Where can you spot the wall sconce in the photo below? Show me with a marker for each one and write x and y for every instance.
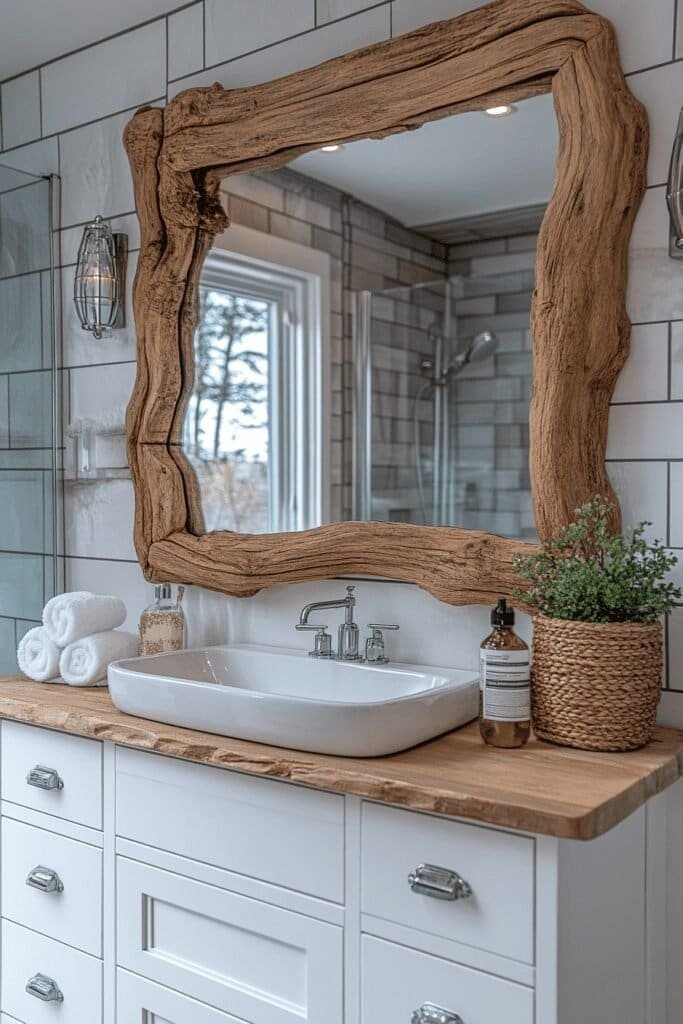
(674, 194)
(100, 281)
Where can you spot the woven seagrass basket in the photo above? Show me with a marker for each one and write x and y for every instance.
(596, 685)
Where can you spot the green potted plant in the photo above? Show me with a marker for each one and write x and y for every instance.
(597, 598)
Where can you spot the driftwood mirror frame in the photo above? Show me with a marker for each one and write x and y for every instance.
(500, 53)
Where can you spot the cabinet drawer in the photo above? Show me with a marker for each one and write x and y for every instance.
(499, 867)
(79, 977)
(73, 915)
(258, 962)
(269, 830)
(77, 762)
(138, 999)
(397, 981)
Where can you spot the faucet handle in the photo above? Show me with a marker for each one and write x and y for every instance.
(374, 645)
(323, 640)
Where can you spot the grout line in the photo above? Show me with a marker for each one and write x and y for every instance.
(668, 504)
(285, 39)
(667, 666)
(203, 34)
(669, 343)
(101, 558)
(675, 35)
(652, 67)
(96, 42)
(166, 55)
(17, 188)
(40, 99)
(91, 366)
(83, 124)
(652, 401)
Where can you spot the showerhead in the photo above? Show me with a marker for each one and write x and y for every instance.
(483, 346)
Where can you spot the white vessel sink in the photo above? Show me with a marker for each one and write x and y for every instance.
(282, 696)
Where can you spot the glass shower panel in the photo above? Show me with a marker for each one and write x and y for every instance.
(28, 563)
(446, 368)
(404, 340)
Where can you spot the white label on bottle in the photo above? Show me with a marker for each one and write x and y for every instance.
(504, 680)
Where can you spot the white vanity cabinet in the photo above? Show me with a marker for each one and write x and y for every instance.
(167, 892)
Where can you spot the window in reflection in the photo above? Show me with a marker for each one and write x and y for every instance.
(254, 422)
(226, 427)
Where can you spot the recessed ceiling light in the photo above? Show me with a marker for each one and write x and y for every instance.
(333, 148)
(501, 111)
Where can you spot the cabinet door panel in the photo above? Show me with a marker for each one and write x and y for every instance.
(256, 961)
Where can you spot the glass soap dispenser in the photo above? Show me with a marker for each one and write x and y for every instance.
(505, 697)
(162, 625)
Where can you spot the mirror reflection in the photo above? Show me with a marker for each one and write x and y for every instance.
(363, 347)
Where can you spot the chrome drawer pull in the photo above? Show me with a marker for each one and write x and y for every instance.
(44, 778)
(44, 988)
(439, 883)
(431, 1014)
(45, 880)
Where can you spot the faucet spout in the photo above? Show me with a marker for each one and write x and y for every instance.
(347, 643)
(348, 602)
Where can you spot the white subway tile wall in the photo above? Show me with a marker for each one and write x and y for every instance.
(86, 99)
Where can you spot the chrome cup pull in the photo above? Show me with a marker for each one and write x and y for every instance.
(44, 880)
(44, 988)
(44, 778)
(429, 1013)
(439, 883)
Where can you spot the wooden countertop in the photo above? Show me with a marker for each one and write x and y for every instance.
(542, 788)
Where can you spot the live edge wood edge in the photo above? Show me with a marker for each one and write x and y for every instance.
(555, 791)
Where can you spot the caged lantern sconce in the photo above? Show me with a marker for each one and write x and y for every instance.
(674, 194)
(100, 281)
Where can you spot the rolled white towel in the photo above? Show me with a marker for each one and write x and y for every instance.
(70, 617)
(85, 661)
(38, 656)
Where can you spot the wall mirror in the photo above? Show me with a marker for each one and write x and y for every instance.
(363, 344)
(379, 326)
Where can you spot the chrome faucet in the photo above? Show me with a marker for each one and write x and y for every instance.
(347, 636)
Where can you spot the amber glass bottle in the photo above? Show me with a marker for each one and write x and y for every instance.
(504, 702)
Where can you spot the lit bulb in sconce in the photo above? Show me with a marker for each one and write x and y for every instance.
(99, 282)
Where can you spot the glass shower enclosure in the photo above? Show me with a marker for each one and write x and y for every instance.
(28, 449)
(441, 412)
